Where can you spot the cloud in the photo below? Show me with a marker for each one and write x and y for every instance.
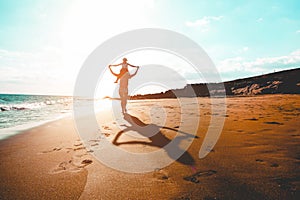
(204, 22)
(260, 65)
(230, 64)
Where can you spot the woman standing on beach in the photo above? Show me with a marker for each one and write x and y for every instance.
(124, 78)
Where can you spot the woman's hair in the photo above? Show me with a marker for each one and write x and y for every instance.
(124, 59)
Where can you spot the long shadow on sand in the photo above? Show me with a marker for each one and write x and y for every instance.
(157, 139)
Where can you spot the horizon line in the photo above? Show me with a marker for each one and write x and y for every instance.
(70, 95)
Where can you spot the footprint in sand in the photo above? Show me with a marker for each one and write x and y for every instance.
(276, 123)
(78, 148)
(160, 174)
(170, 107)
(106, 128)
(94, 144)
(252, 119)
(95, 140)
(78, 144)
(183, 198)
(274, 165)
(71, 166)
(86, 162)
(195, 177)
(106, 134)
(52, 150)
(63, 166)
(259, 160)
(295, 135)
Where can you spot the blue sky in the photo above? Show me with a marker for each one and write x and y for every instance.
(44, 43)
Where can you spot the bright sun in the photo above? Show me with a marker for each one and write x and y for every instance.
(88, 23)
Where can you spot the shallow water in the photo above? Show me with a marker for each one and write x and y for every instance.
(17, 110)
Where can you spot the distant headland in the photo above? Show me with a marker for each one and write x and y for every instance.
(283, 82)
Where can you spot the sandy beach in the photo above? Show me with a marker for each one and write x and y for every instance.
(256, 157)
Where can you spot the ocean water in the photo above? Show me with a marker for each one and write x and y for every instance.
(18, 112)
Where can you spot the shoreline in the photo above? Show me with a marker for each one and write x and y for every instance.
(20, 129)
(256, 157)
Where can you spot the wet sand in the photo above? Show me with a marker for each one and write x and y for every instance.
(256, 157)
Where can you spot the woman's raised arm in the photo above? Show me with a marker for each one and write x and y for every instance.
(137, 68)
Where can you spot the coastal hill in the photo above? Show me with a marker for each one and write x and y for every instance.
(283, 82)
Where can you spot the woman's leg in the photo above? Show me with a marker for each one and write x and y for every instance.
(123, 104)
(123, 95)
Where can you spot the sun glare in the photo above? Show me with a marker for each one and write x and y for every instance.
(88, 24)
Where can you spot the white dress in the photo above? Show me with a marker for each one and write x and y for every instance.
(124, 66)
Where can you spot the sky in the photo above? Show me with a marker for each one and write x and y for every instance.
(43, 44)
